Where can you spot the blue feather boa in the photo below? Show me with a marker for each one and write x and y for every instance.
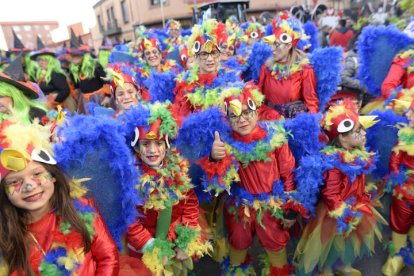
(161, 86)
(257, 58)
(311, 30)
(196, 135)
(377, 47)
(327, 66)
(382, 137)
(91, 141)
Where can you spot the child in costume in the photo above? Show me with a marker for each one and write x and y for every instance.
(260, 201)
(346, 222)
(401, 183)
(287, 79)
(50, 229)
(198, 88)
(168, 235)
(18, 97)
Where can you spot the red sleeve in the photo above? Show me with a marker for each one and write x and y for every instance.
(190, 210)
(332, 190)
(332, 39)
(138, 235)
(104, 250)
(182, 105)
(266, 113)
(286, 163)
(262, 77)
(394, 77)
(309, 94)
(395, 161)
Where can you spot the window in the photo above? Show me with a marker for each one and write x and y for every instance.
(47, 27)
(99, 18)
(157, 2)
(27, 28)
(124, 8)
(16, 29)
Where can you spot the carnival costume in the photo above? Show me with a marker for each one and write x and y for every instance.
(346, 222)
(400, 183)
(55, 247)
(170, 207)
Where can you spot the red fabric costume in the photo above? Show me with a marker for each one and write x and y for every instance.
(402, 205)
(340, 38)
(256, 178)
(301, 85)
(398, 75)
(101, 260)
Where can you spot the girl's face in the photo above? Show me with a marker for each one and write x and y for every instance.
(208, 62)
(410, 117)
(31, 189)
(152, 152)
(355, 139)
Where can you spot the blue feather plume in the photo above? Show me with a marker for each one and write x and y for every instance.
(304, 138)
(382, 137)
(93, 148)
(327, 66)
(136, 116)
(258, 56)
(311, 30)
(377, 47)
(196, 135)
(161, 86)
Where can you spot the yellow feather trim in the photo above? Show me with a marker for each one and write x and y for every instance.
(76, 188)
(338, 212)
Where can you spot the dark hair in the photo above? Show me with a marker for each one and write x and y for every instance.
(342, 22)
(14, 244)
(335, 142)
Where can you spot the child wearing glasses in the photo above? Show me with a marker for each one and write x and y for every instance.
(49, 230)
(260, 202)
(199, 88)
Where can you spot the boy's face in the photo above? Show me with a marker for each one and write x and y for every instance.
(127, 96)
(410, 117)
(152, 152)
(245, 123)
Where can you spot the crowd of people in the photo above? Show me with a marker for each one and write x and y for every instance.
(148, 156)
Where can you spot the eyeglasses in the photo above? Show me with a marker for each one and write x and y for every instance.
(247, 115)
(204, 55)
(226, 47)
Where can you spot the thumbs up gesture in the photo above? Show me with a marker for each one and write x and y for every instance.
(218, 151)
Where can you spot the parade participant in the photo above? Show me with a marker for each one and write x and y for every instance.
(174, 31)
(105, 51)
(400, 73)
(50, 230)
(260, 202)
(127, 93)
(168, 236)
(400, 182)
(29, 66)
(51, 78)
(18, 96)
(346, 222)
(199, 88)
(287, 79)
(87, 75)
(227, 47)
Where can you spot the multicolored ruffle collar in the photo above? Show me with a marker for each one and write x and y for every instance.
(405, 140)
(284, 70)
(165, 186)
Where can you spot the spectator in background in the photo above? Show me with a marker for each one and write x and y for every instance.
(341, 35)
(323, 36)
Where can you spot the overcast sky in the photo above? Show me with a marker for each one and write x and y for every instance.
(66, 12)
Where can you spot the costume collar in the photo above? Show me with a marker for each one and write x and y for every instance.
(257, 134)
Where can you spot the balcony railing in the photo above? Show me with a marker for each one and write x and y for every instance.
(112, 28)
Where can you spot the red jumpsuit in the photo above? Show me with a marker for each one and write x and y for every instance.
(397, 75)
(258, 177)
(102, 259)
(402, 204)
(185, 212)
(301, 85)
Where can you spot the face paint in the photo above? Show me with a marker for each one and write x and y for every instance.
(152, 152)
(15, 185)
